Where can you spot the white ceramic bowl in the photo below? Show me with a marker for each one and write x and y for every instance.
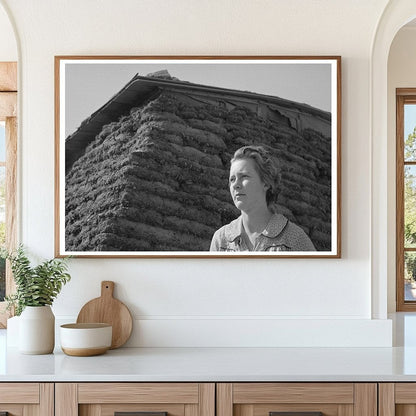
(85, 339)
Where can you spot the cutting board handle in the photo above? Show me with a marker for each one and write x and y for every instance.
(107, 289)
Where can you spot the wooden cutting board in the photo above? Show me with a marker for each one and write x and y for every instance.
(109, 310)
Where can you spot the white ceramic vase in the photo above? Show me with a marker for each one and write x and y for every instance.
(37, 330)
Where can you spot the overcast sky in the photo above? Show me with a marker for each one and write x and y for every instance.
(88, 85)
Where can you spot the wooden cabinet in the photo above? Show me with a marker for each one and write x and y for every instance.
(27, 399)
(208, 399)
(331, 399)
(105, 399)
(221, 399)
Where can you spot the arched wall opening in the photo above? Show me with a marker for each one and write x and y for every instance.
(401, 74)
(396, 15)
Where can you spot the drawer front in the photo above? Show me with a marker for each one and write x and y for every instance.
(19, 393)
(294, 392)
(297, 399)
(142, 399)
(138, 393)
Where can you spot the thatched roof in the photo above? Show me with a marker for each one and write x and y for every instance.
(141, 88)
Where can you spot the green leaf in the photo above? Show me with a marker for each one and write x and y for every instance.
(35, 286)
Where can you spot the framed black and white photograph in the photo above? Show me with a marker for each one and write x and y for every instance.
(198, 156)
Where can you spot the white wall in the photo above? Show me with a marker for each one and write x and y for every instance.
(212, 301)
(8, 46)
(401, 74)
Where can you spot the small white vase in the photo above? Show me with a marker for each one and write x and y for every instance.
(37, 330)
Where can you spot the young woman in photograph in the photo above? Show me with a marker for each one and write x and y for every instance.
(253, 184)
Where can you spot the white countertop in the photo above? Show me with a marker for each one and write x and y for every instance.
(221, 364)
(215, 364)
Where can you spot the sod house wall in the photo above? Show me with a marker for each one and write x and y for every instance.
(156, 178)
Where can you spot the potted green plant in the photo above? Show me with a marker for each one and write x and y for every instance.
(36, 289)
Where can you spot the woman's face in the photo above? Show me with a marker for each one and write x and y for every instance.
(247, 189)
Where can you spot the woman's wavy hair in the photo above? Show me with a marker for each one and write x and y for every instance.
(266, 167)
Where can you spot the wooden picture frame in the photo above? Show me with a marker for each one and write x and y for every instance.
(143, 147)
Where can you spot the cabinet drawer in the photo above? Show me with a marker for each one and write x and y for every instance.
(268, 399)
(138, 393)
(107, 399)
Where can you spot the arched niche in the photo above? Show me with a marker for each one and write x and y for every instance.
(397, 14)
(9, 53)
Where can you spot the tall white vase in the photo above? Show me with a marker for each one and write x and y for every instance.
(37, 330)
